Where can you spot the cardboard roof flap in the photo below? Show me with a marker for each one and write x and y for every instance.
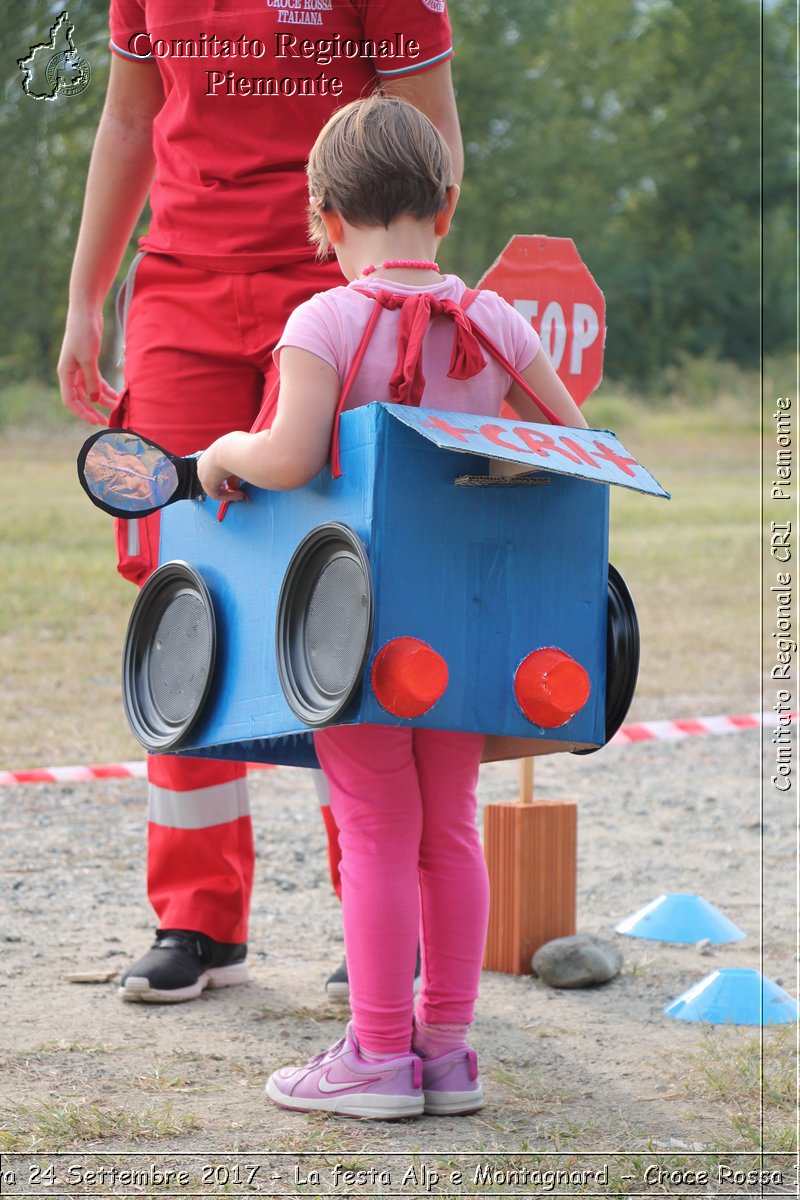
(592, 454)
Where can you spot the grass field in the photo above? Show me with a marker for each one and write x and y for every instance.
(692, 564)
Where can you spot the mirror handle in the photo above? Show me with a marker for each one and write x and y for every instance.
(189, 486)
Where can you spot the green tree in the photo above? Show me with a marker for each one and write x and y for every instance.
(45, 145)
(540, 91)
(780, 173)
(691, 223)
(634, 128)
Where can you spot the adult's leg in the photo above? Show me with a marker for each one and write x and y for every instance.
(198, 363)
(323, 791)
(200, 846)
(185, 386)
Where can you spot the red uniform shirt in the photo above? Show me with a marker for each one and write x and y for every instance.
(248, 85)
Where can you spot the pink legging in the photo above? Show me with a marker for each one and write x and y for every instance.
(412, 868)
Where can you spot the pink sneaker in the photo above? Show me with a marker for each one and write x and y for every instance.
(451, 1084)
(340, 1081)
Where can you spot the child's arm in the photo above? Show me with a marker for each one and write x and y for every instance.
(543, 380)
(295, 448)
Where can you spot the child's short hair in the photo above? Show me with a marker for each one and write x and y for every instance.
(374, 160)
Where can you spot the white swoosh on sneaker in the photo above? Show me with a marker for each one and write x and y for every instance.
(324, 1084)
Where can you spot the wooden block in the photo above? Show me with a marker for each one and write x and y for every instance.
(531, 853)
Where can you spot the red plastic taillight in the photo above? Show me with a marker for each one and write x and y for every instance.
(408, 677)
(550, 687)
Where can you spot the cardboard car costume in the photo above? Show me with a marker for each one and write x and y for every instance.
(422, 587)
(446, 571)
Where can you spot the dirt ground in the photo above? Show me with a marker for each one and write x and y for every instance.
(596, 1082)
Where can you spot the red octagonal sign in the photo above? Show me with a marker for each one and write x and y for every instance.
(548, 283)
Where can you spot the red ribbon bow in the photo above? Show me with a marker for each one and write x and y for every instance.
(407, 383)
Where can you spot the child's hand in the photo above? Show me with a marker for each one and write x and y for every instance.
(216, 479)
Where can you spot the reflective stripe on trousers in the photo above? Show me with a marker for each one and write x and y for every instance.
(200, 846)
(199, 808)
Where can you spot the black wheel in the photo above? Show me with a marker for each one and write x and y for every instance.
(622, 655)
(168, 661)
(323, 624)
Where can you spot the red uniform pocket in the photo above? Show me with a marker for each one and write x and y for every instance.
(137, 547)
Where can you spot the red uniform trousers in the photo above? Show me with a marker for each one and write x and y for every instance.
(198, 363)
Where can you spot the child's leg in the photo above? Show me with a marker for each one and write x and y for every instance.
(454, 885)
(375, 799)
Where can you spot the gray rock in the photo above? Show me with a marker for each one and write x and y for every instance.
(577, 961)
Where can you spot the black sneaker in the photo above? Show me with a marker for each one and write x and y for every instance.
(337, 985)
(180, 964)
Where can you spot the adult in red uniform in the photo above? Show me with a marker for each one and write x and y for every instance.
(212, 108)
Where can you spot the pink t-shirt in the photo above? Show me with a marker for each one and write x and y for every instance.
(331, 323)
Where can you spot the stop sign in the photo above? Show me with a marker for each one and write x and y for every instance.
(547, 282)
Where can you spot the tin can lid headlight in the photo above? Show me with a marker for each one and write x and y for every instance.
(550, 687)
(408, 677)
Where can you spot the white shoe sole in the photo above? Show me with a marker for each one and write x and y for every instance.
(340, 992)
(453, 1104)
(364, 1105)
(137, 987)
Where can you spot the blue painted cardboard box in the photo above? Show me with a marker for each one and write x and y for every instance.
(481, 568)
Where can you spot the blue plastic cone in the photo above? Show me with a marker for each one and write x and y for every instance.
(680, 917)
(735, 996)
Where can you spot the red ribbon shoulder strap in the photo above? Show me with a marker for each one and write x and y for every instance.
(407, 383)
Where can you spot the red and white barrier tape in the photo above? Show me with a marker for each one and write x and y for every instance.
(123, 770)
(645, 731)
(674, 731)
